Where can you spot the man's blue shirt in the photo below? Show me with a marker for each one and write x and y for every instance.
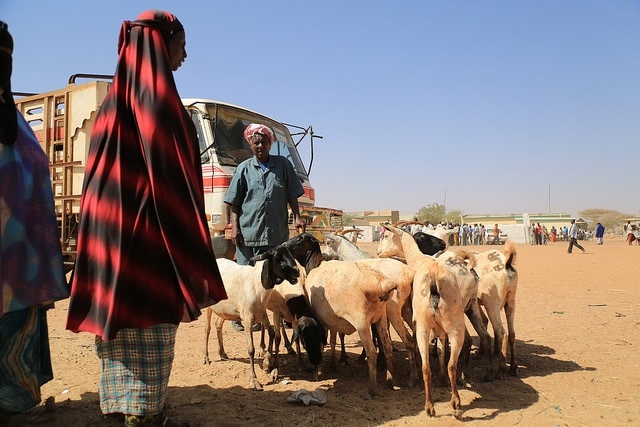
(263, 196)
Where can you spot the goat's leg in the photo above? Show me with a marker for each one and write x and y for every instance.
(367, 342)
(221, 352)
(499, 362)
(442, 344)
(343, 352)
(207, 331)
(262, 350)
(463, 360)
(456, 341)
(268, 359)
(363, 354)
(382, 328)
(298, 351)
(332, 353)
(398, 324)
(274, 336)
(253, 379)
(423, 340)
(287, 344)
(485, 319)
(510, 311)
(477, 319)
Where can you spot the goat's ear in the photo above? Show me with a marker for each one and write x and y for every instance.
(260, 257)
(265, 275)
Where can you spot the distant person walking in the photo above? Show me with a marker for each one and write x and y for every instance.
(599, 234)
(573, 237)
(630, 236)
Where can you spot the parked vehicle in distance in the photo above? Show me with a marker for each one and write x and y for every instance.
(490, 239)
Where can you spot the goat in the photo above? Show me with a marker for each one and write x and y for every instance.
(462, 264)
(248, 288)
(348, 297)
(288, 303)
(437, 307)
(344, 249)
(497, 286)
(398, 307)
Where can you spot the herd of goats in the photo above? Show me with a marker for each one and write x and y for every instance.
(413, 283)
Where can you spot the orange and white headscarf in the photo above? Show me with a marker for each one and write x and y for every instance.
(255, 128)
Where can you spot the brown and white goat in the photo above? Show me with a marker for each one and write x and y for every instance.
(497, 286)
(437, 305)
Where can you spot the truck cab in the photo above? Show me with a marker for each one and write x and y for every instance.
(220, 128)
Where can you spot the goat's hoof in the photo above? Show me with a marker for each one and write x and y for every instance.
(513, 371)
(266, 362)
(291, 351)
(431, 412)
(255, 384)
(273, 376)
(457, 413)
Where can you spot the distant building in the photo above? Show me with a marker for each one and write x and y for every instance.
(374, 217)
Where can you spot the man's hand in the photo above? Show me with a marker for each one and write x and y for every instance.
(301, 224)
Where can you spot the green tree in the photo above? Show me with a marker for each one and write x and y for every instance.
(453, 216)
(433, 213)
(610, 219)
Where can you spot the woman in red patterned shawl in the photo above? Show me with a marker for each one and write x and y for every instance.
(145, 260)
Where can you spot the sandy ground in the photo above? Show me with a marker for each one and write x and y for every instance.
(578, 333)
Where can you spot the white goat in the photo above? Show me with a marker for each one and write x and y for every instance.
(344, 249)
(497, 286)
(437, 306)
(248, 288)
(349, 297)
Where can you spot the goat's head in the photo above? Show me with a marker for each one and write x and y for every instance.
(313, 337)
(391, 243)
(279, 265)
(428, 244)
(306, 250)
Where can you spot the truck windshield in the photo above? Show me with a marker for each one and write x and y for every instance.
(231, 147)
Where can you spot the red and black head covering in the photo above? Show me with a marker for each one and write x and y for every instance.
(8, 115)
(144, 250)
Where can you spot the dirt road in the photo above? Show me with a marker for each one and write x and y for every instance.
(578, 338)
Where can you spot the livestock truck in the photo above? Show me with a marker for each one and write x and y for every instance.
(62, 121)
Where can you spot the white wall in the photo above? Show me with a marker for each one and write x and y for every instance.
(369, 233)
(518, 233)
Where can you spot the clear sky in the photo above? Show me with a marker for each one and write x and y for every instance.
(485, 106)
